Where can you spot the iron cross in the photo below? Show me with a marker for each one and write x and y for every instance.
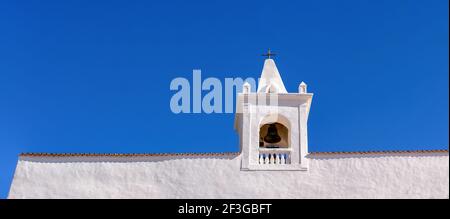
(269, 54)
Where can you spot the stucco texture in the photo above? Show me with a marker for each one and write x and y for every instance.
(335, 176)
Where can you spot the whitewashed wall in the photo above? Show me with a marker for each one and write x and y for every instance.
(331, 176)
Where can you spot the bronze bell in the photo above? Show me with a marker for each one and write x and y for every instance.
(272, 135)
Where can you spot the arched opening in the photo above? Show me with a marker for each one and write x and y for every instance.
(274, 140)
(273, 135)
(271, 89)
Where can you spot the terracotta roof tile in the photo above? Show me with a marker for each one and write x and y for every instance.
(125, 155)
(382, 152)
(218, 154)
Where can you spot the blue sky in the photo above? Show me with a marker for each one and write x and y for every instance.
(85, 76)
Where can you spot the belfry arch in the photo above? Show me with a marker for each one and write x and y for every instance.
(274, 132)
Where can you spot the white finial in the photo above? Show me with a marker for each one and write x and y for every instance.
(246, 88)
(302, 88)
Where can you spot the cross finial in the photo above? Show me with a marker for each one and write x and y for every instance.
(269, 54)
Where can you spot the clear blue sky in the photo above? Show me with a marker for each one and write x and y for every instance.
(85, 76)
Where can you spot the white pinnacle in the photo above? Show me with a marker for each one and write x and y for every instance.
(270, 81)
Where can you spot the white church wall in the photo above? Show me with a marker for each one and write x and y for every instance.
(409, 175)
(420, 174)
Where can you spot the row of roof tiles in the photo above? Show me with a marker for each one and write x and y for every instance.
(217, 154)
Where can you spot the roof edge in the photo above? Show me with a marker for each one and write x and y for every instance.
(124, 154)
(219, 153)
(382, 152)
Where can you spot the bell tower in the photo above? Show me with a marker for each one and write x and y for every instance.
(272, 123)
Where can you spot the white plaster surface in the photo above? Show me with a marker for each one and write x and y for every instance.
(329, 176)
(270, 79)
